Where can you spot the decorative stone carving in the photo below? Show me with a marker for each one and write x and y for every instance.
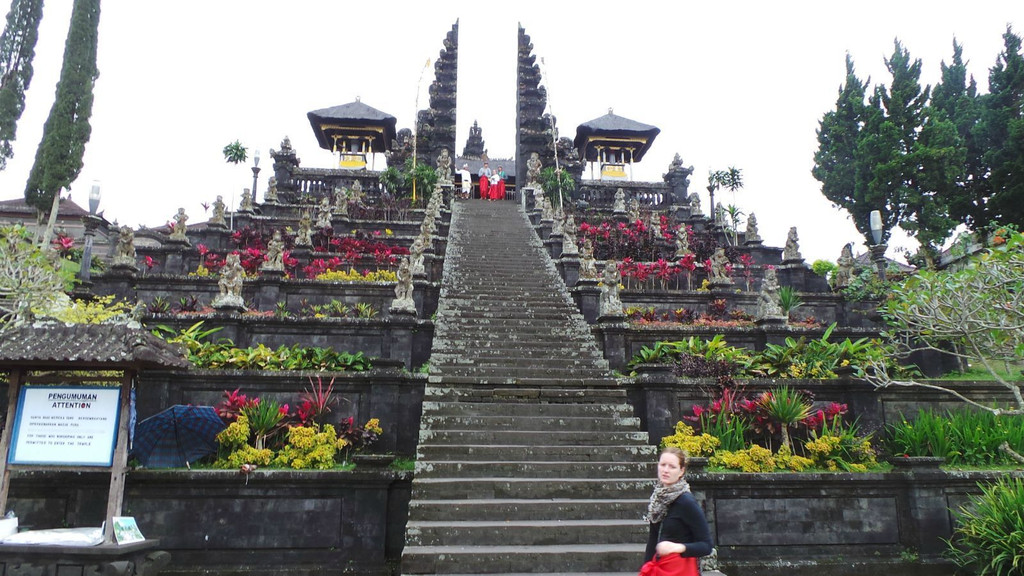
(444, 167)
(751, 236)
(718, 273)
(124, 256)
(270, 196)
(533, 167)
(678, 180)
(569, 247)
(219, 208)
(791, 252)
(416, 256)
(633, 209)
(588, 266)
(556, 226)
(654, 223)
(538, 198)
(611, 304)
(246, 205)
(230, 285)
(619, 204)
(275, 254)
(178, 233)
(403, 302)
(546, 212)
(695, 209)
(844, 272)
(340, 200)
(768, 308)
(682, 242)
(719, 213)
(304, 235)
(324, 213)
(356, 193)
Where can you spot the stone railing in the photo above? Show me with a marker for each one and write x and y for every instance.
(601, 194)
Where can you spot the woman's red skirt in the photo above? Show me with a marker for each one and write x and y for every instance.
(671, 565)
(484, 184)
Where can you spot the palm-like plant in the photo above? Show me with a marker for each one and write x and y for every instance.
(789, 300)
(235, 153)
(788, 407)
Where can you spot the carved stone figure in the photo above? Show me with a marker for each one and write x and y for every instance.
(217, 219)
(791, 251)
(275, 253)
(270, 196)
(304, 236)
(533, 167)
(588, 266)
(718, 272)
(340, 200)
(416, 255)
(633, 209)
(546, 212)
(403, 302)
(230, 284)
(444, 167)
(619, 204)
(569, 247)
(246, 205)
(844, 272)
(124, 256)
(752, 236)
(768, 299)
(178, 234)
(324, 213)
(654, 223)
(682, 242)
(719, 213)
(538, 198)
(556, 226)
(611, 304)
(356, 193)
(695, 209)
(678, 180)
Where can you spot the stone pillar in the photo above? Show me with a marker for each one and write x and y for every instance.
(569, 268)
(658, 399)
(545, 229)
(400, 328)
(611, 332)
(926, 512)
(553, 244)
(268, 291)
(587, 296)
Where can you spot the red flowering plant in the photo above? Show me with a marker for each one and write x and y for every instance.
(248, 237)
(747, 261)
(362, 246)
(63, 244)
(616, 241)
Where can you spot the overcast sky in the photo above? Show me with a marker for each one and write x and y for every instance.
(739, 84)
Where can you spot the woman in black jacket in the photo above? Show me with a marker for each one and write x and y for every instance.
(679, 532)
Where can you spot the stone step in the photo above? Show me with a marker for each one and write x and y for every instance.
(601, 394)
(587, 453)
(585, 558)
(558, 350)
(536, 470)
(525, 532)
(535, 409)
(517, 374)
(512, 361)
(522, 382)
(537, 488)
(539, 438)
(530, 423)
(528, 509)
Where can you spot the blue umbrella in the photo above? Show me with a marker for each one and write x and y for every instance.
(177, 436)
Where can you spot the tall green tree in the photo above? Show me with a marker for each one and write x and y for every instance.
(17, 49)
(67, 130)
(1001, 130)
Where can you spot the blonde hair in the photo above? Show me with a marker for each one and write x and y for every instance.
(678, 453)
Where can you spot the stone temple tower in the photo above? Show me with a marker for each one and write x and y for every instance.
(436, 125)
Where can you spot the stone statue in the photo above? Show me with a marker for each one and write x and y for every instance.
(444, 167)
(270, 196)
(791, 251)
(768, 299)
(324, 213)
(569, 247)
(751, 236)
(538, 198)
(718, 273)
(546, 211)
(588, 266)
(619, 205)
(178, 234)
(304, 236)
(403, 302)
(217, 219)
(611, 304)
(844, 272)
(230, 284)
(719, 213)
(416, 256)
(275, 253)
(633, 209)
(533, 167)
(356, 194)
(682, 242)
(695, 209)
(556, 226)
(246, 204)
(678, 180)
(124, 256)
(654, 223)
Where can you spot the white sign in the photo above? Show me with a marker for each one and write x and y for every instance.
(65, 426)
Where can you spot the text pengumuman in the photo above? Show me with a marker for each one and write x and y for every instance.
(71, 399)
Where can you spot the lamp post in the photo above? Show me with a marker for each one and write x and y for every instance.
(91, 222)
(878, 248)
(255, 172)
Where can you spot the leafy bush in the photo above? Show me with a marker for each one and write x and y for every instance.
(684, 437)
(989, 537)
(309, 447)
(963, 437)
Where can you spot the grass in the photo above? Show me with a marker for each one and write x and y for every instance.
(978, 372)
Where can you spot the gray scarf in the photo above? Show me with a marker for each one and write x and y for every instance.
(662, 497)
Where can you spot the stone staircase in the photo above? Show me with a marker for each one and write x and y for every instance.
(529, 458)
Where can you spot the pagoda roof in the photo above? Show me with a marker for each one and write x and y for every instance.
(616, 130)
(97, 346)
(353, 119)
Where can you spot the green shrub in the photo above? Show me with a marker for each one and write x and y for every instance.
(963, 437)
(989, 537)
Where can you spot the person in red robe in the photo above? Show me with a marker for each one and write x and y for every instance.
(485, 184)
(498, 185)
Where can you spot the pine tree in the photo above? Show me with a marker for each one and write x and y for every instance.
(1002, 132)
(17, 49)
(59, 156)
